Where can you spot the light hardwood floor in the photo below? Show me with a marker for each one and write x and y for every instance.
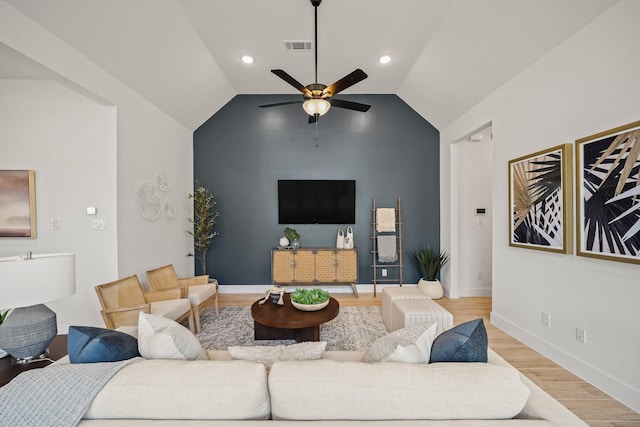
(590, 404)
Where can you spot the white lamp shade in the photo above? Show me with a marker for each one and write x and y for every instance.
(316, 106)
(38, 280)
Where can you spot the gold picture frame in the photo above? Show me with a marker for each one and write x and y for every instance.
(18, 207)
(608, 194)
(540, 200)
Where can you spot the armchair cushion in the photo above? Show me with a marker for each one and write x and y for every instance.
(171, 309)
(161, 338)
(86, 344)
(200, 293)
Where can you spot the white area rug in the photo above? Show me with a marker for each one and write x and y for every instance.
(355, 328)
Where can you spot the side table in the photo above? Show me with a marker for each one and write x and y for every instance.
(57, 350)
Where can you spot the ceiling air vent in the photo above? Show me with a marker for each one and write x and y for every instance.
(298, 45)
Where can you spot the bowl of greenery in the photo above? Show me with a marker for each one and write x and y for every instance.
(310, 299)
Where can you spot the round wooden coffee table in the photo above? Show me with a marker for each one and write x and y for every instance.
(283, 322)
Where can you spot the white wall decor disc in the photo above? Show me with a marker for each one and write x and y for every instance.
(170, 210)
(162, 181)
(148, 201)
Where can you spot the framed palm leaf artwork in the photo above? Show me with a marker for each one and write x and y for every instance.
(608, 194)
(540, 200)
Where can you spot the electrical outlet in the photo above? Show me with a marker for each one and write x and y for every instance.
(581, 335)
(546, 319)
(384, 272)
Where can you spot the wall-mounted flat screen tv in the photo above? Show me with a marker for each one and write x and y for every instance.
(316, 201)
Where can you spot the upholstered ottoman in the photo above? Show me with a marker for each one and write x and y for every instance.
(411, 311)
(389, 295)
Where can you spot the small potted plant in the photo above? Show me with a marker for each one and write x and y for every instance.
(430, 264)
(293, 236)
(310, 299)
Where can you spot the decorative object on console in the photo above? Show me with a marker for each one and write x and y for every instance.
(540, 207)
(340, 240)
(607, 203)
(203, 221)
(293, 236)
(28, 283)
(18, 209)
(284, 242)
(430, 265)
(348, 238)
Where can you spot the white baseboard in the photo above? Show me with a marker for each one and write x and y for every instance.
(612, 386)
(338, 289)
(475, 292)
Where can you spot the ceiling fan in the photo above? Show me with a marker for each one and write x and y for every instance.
(318, 98)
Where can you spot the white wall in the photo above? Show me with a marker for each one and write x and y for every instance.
(70, 142)
(147, 142)
(588, 84)
(473, 191)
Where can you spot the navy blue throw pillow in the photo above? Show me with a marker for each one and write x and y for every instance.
(466, 342)
(87, 344)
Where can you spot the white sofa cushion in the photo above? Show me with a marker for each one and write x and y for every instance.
(181, 389)
(388, 391)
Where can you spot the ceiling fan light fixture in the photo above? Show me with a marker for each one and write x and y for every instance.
(247, 59)
(385, 59)
(315, 106)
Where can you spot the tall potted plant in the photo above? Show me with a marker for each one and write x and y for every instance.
(430, 264)
(203, 221)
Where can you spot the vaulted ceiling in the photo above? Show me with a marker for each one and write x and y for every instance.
(447, 55)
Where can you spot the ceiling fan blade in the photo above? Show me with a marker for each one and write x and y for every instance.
(345, 82)
(293, 82)
(279, 103)
(349, 105)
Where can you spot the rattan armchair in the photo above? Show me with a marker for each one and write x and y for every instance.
(200, 291)
(123, 300)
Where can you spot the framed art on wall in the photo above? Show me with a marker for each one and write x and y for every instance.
(18, 203)
(608, 194)
(540, 200)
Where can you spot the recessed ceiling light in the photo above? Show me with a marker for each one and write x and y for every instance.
(385, 59)
(247, 59)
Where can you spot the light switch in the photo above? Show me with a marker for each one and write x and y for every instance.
(99, 224)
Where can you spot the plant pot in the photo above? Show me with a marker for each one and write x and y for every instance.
(431, 288)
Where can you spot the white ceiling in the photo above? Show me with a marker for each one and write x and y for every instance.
(447, 55)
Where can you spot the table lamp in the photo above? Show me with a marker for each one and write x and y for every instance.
(26, 283)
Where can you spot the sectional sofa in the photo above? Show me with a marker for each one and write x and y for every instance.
(337, 390)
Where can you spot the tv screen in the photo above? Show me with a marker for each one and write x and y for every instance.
(316, 201)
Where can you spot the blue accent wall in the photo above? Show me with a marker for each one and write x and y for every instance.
(242, 151)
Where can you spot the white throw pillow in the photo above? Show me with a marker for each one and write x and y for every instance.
(418, 352)
(381, 348)
(271, 354)
(162, 338)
